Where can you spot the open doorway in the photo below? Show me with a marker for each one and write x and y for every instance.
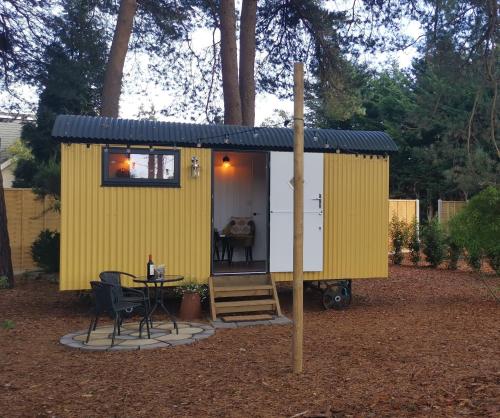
(240, 212)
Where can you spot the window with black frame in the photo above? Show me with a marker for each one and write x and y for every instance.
(140, 167)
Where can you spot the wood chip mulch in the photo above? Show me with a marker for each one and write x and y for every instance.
(424, 343)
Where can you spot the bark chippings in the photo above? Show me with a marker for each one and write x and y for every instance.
(423, 343)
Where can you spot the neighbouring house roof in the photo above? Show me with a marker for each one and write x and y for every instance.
(104, 130)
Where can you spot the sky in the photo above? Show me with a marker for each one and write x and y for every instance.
(133, 98)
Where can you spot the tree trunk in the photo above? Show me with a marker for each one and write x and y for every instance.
(229, 62)
(247, 61)
(114, 68)
(5, 255)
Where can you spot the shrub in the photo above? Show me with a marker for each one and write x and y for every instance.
(399, 233)
(414, 242)
(45, 251)
(192, 287)
(8, 324)
(454, 251)
(433, 243)
(4, 282)
(476, 228)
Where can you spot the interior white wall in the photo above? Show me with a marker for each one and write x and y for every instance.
(241, 190)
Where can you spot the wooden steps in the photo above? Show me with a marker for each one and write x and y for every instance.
(240, 294)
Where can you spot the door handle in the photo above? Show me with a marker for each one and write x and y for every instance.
(319, 199)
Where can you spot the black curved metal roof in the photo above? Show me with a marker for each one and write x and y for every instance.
(104, 130)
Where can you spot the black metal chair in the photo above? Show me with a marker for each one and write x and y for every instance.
(108, 300)
(127, 294)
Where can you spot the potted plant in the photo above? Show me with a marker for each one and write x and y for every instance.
(193, 294)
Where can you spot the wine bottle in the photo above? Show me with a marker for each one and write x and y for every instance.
(150, 269)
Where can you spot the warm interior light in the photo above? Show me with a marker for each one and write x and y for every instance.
(226, 162)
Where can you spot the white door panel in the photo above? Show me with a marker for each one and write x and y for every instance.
(281, 208)
(281, 245)
(313, 241)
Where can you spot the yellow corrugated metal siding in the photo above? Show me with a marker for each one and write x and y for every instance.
(108, 228)
(356, 190)
(115, 228)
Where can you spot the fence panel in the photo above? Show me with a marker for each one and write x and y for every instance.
(26, 217)
(404, 209)
(449, 208)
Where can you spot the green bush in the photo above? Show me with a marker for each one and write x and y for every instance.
(476, 228)
(8, 324)
(45, 251)
(414, 242)
(192, 287)
(454, 252)
(434, 243)
(4, 282)
(399, 232)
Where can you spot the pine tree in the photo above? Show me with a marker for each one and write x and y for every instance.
(71, 78)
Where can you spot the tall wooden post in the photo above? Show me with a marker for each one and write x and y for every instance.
(298, 216)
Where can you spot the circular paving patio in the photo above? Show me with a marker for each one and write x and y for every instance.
(162, 335)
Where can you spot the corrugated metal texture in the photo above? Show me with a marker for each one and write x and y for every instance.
(356, 192)
(115, 228)
(449, 208)
(27, 216)
(90, 129)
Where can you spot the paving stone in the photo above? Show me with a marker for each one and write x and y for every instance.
(224, 325)
(130, 325)
(125, 337)
(74, 334)
(173, 337)
(281, 320)
(94, 348)
(190, 330)
(182, 342)
(170, 325)
(201, 336)
(241, 324)
(206, 327)
(151, 346)
(153, 334)
(162, 335)
(123, 348)
(66, 340)
(93, 336)
(74, 345)
(138, 342)
(100, 342)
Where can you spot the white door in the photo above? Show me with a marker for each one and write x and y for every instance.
(281, 212)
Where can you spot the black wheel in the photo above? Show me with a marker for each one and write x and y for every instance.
(336, 297)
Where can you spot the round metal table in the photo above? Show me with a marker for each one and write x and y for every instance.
(158, 284)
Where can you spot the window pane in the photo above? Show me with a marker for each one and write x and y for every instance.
(118, 166)
(141, 166)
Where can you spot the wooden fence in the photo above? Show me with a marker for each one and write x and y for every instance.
(26, 217)
(404, 209)
(449, 208)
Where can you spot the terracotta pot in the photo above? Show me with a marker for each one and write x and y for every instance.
(190, 306)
